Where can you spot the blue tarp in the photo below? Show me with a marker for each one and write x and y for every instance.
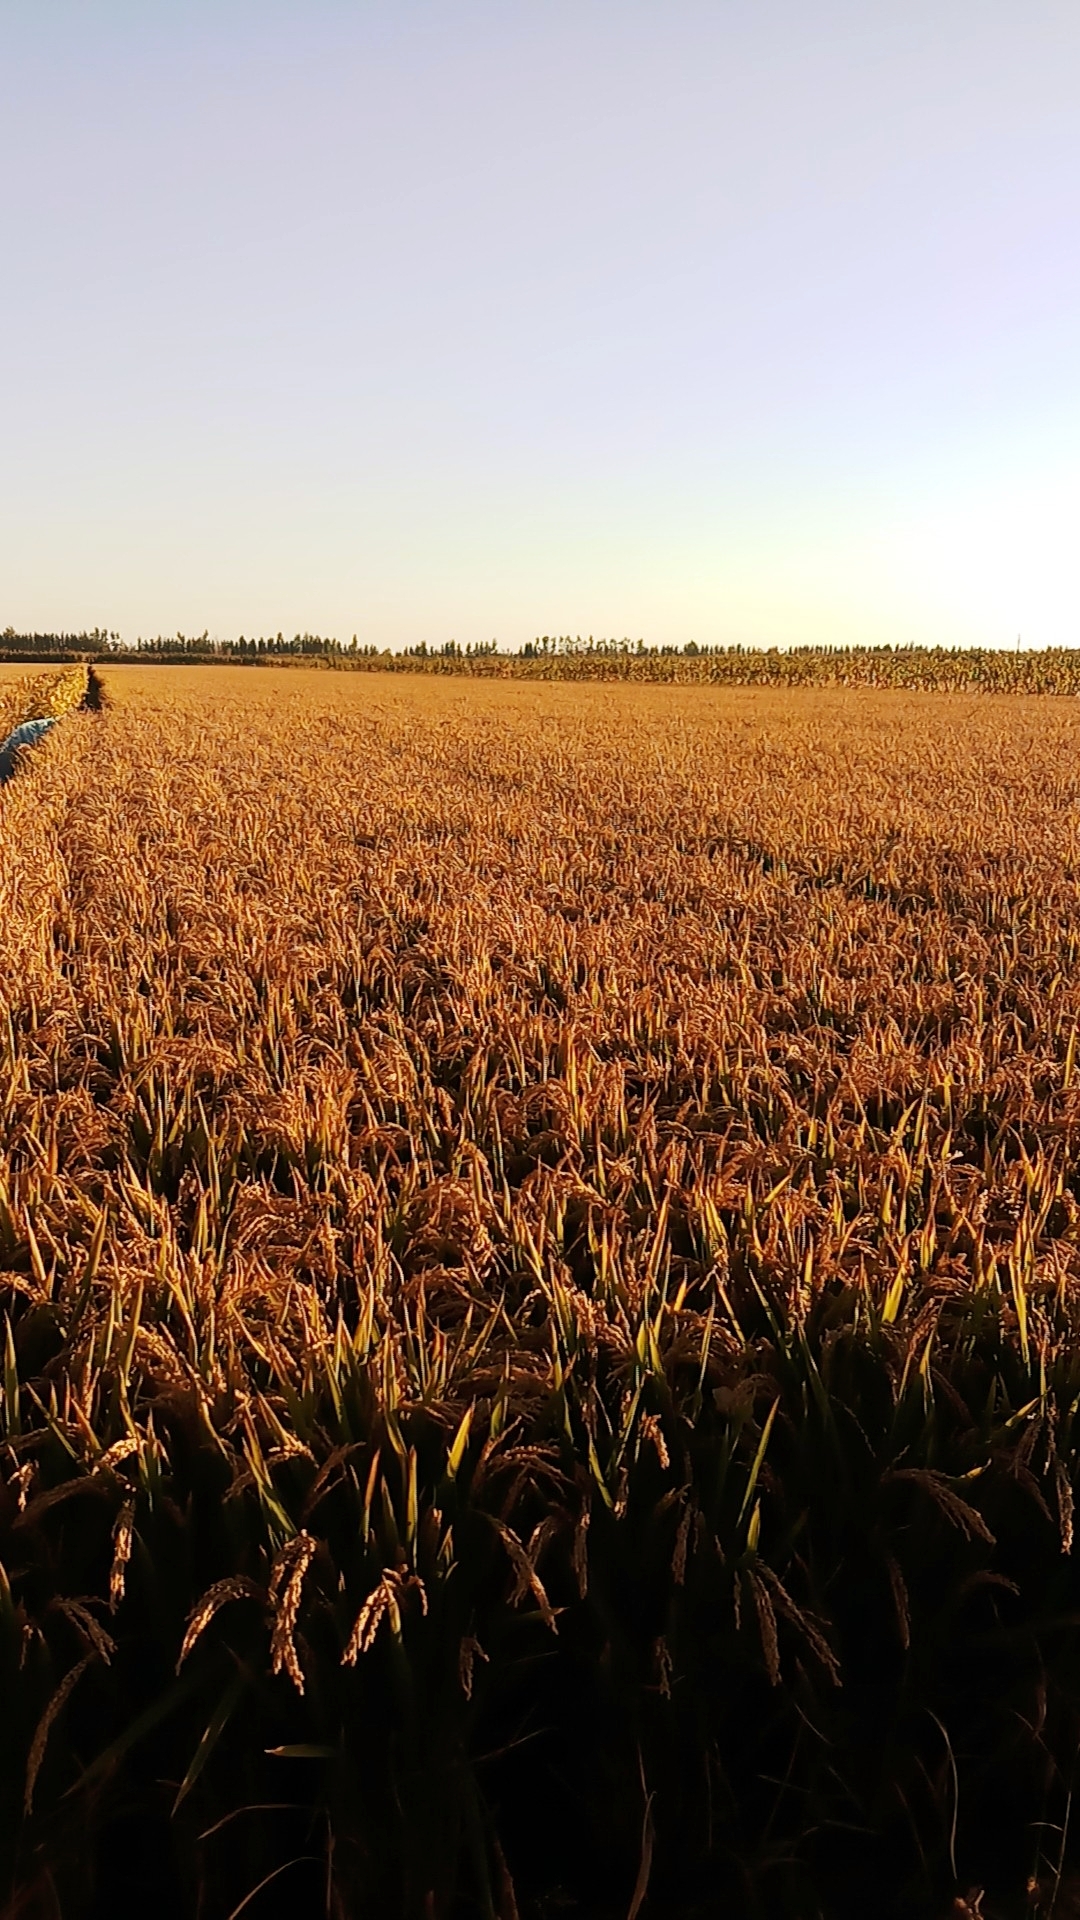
(24, 736)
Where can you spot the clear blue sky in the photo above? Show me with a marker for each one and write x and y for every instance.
(746, 320)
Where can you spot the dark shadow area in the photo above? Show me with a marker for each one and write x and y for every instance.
(96, 697)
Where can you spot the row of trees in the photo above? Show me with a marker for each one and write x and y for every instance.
(100, 640)
(200, 646)
(569, 657)
(52, 646)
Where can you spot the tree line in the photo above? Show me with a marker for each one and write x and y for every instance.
(1053, 670)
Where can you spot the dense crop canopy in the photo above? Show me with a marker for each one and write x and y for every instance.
(539, 1246)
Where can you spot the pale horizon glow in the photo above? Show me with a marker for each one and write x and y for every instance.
(740, 321)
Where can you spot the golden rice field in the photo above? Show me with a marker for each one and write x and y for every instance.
(539, 1243)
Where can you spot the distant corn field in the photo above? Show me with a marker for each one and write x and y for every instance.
(1044, 670)
(539, 1244)
(1048, 670)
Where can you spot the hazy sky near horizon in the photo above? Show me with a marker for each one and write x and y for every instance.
(741, 321)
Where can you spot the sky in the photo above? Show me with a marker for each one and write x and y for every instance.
(747, 321)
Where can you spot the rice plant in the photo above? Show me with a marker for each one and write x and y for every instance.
(43, 696)
(538, 1243)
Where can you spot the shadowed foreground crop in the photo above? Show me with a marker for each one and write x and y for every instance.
(538, 1239)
